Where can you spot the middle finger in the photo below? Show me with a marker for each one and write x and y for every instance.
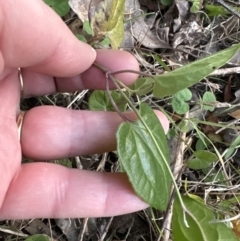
(36, 84)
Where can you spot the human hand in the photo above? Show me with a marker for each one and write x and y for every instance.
(34, 38)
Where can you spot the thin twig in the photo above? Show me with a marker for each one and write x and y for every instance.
(108, 75)
(102, 162)
(20, 234)
(78, 162)
(85, 222)
(226, 71)
(177, 169)
(77, 98)
(102, 238)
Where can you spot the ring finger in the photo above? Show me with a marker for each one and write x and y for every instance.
(50, 132)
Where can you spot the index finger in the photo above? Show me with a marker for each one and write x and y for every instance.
(33, 35)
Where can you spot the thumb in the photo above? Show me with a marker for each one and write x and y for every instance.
(33, 35)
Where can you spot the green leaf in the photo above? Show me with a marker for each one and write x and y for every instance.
(106, 19)
(196, 5)
(213, 10)
(184, 126)
(215, 137)
(142, 86)
(232, 148)
(218, 177)
(161, 62)
(188, 75)
(166, 2)
(81, 38)
(144, 155)
(196, 198)
(171, 133)
(203, 159)
(202, 143)
(38, 237)
(229, 203)
(201, 223)
(87, 28)
(61, 7)
(99, 100)
(65, 162)
(178, 101)
(105, 42)
(208, 97)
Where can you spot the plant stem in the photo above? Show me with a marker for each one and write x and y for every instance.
(104, 69)
(113, 102)
(132, 71)
(109, 75)
(165, 161)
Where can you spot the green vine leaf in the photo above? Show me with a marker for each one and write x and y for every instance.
(144, 155)
(106, 19)
(232, 147)
(38, 237)
(202, 225)
(179, 101)
(99, 101)
(87, 28)
(196, 6)
(64, 162)
(188, 75)
(61, 7)
(213, 10)
(203, 159)
(142, 86)
(166, 2)
(208, 97)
